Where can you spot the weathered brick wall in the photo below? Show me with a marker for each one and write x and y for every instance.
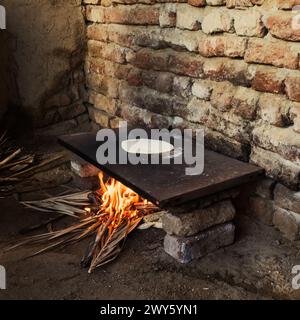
(231, 66)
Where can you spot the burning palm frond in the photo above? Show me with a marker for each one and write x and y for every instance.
(111, 248)
(111, 214)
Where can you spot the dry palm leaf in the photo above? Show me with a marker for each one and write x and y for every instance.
(34, 169)
(75, 232)
(111, 248)
(15, 166)
(25, 160)
(9, 158)
(111, 214)
(72, 204)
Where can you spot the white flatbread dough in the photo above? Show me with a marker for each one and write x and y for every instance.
(146, 146)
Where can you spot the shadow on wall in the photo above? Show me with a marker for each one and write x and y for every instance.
(46, 40)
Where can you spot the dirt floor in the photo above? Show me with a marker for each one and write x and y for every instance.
(257, 266)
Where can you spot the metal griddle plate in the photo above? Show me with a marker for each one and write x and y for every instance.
(168, 184)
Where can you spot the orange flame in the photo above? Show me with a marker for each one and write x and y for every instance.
(117, 202)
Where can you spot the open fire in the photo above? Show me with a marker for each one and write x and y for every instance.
(110, 214)
(119, 211)
(118, 201)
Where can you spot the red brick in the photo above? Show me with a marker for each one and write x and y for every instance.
(168, 60)
(189, 17)
(225, 69)
(186, 39)
(97, 32)
(146, 98)
(186, 64)
(151, 59)
(106, 3)
(116, 70)
(218, 20)
(167, 17)
(91, 1)
(109, 51)
(105, 67)
(276, 53)
(230, 125)
(287, 4)
(222, 96)
(280, 25)
(218, 46)
(95, 14)
(94, 65)
(283, 141)
(268, 79)
(122, 35)
(160, 81)
(101, 84)
(292, 87)
(135, 77)
(102, 102)
(295, 116)
(245, 103)
(249, 23)
(274, 109)
(197, 3)
(238, 3)
(139, 15)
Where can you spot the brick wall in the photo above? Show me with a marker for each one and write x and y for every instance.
(231, 66)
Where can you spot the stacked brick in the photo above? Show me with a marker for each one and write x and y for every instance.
(200, 227)
(230, 66)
